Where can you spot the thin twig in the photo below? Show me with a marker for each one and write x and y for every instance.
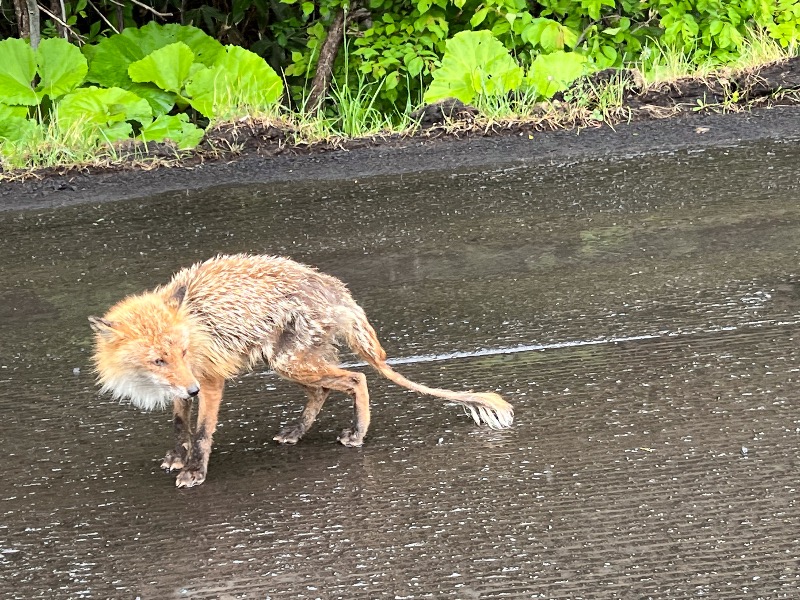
(61, 30)
(102, 16)
(144, 6)
(585, 31)
(77, 35)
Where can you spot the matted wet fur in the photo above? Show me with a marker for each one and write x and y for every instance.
(220, 317)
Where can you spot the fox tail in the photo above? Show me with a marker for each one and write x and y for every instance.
(485, 407)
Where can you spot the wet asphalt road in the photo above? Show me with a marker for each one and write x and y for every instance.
(641, 314)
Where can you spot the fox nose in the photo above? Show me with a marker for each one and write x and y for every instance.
(193, 390)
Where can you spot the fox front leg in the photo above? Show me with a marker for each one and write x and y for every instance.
(195, 468)
(181, 422)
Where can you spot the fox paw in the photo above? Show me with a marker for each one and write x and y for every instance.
(190, 477)
(351, 438)
(290, 434)
(173, 461)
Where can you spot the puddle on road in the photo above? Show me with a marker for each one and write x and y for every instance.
(640, 315)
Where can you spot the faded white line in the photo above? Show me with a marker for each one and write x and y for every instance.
(425, 358)
(522, 348)
(519, 349)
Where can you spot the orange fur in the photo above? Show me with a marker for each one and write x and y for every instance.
(215, 319)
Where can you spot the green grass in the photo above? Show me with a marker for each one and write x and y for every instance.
(603, 101)
(52, 146)
(663, 64)
(351, 112)
(759, 48)
(516, 105)
(354, 109)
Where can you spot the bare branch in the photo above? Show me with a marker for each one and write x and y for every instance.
(23, 22)
(77, 35)
(327, 56)
(144, 6)
(57, 7)
(34, 23)
(582, 37)
(102, 16)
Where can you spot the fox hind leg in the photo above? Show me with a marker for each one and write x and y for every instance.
(355, 384)
(320, 374)
(291, 434)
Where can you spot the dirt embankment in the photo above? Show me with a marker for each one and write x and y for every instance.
(728, 108)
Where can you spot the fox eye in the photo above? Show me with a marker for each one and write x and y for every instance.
(184, 353)
(159, 362)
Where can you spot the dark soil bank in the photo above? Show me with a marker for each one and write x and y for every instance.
(690, 130)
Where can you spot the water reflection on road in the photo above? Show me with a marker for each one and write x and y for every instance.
(640, 314)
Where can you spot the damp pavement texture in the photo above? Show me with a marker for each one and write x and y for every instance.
(640, 312)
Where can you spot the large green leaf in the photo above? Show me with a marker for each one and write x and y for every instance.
(160, 101)
(167, 67)
(110, 59)
(61, 67)
(17, 70)
(239, 82)
(549, 34)
(474, 63)
(15, 127)
(14, 111)
(551, 73)
(103, 111)
(173, 127)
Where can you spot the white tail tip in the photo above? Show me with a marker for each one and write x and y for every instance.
(494, 418)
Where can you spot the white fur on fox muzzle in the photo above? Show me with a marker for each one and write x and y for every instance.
(143, 392)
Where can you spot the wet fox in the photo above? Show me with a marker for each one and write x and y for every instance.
(218, 318)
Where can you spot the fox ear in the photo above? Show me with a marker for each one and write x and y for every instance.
(177, 297)
(102, 326)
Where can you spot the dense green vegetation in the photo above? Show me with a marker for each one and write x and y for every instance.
(107, 71)
(139, 83)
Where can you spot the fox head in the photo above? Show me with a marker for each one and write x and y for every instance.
(142, 350)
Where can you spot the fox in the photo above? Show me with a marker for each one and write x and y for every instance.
(217, 319)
